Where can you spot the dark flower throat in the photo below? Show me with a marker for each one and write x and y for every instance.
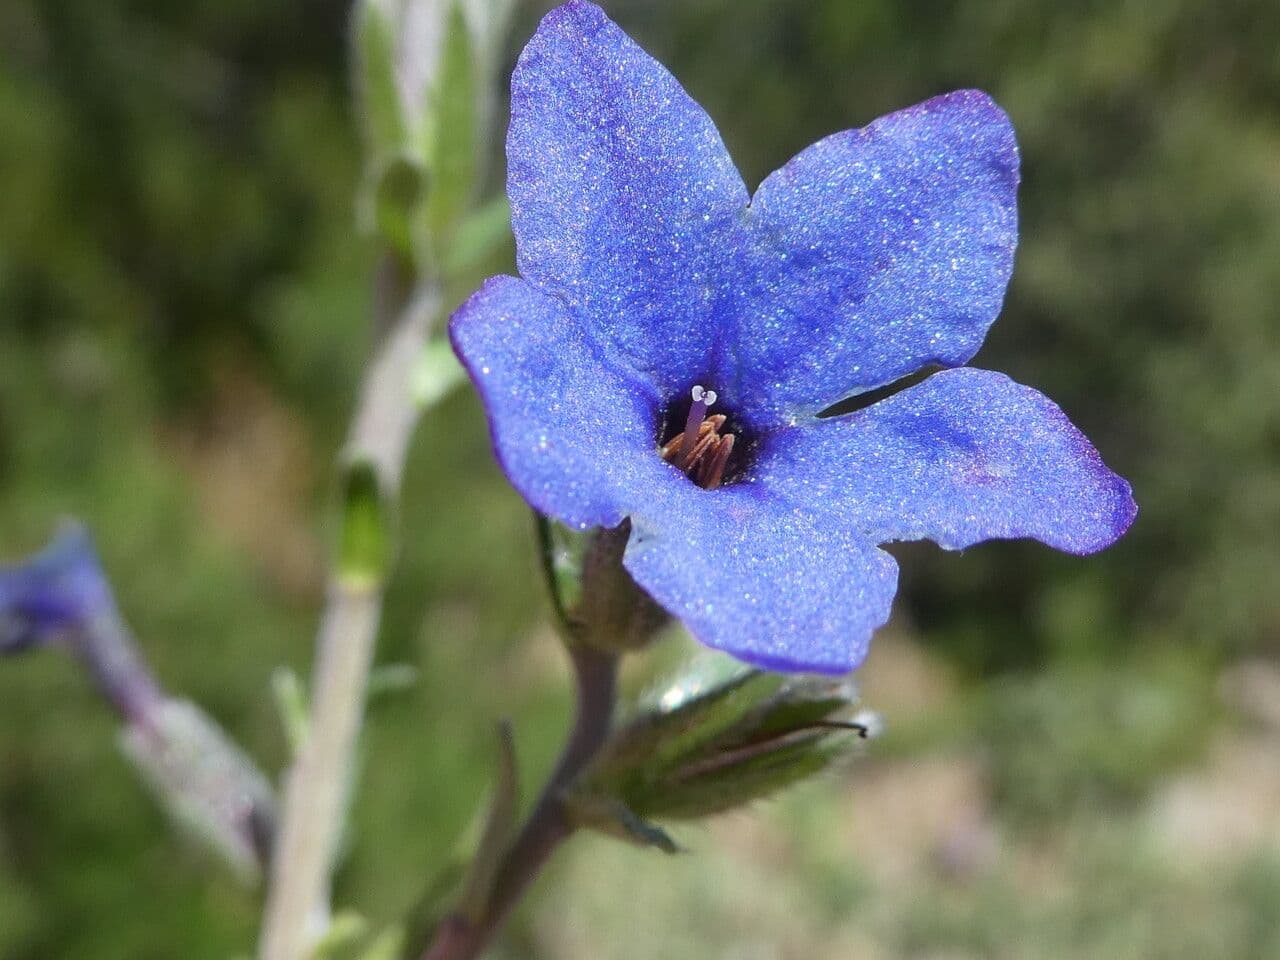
(702, 449)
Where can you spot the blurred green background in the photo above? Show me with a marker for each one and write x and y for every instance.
(1084, 755)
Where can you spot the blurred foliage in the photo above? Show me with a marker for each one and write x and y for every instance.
(1077, 739)
(1113, 897)
(184, 301)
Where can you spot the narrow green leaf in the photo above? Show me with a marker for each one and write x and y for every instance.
(453, 125)
(388, 945)
(344, 930)
(479, 237)
(364, 551)
(391, 678)
(399, 184)
(382, 113)
(496, 834)
(291, 704)
(436, 374)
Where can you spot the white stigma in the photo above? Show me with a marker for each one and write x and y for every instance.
(707, 397)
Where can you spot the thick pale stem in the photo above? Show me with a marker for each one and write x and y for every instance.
(315, 790)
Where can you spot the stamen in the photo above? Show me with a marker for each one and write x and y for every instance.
(712, 472)
(707, 439)
(702, 399)
(700, 450)
(671, 449)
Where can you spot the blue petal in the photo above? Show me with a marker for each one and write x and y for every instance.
(571, 435)
(60, 588)
(773, 586)
(621, 195)
(887, 248)
(967, 455)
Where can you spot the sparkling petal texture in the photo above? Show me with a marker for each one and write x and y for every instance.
(621, 193)
(773, 586)
(967, 455)
(572, 435)
(898, 238)
(869, 255)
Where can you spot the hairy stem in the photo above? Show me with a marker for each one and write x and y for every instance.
(463, 938)
(316, 787)
(110, 654)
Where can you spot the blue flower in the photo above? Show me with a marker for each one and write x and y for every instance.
(61, 588)
(672, 339)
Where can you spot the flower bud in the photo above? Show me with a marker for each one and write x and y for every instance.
(703, 750)
(206, 783)
(421, 72)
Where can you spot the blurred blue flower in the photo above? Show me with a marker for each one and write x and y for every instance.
(674, 338)
(61, 596)
(59, 589)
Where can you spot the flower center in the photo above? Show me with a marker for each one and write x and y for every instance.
(701, 450)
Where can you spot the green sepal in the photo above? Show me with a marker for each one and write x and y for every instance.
(701, 751)
(613, 613)
(610, 816)
(661, 737)
(561, 551)
(596, 601)
(755, 774)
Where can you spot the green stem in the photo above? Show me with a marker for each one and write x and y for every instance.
(548, 826)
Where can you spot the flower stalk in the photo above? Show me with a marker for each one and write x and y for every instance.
(460, 937)
(109, 654)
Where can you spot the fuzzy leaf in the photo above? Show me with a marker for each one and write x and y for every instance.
(452, 130)
(382, 111)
